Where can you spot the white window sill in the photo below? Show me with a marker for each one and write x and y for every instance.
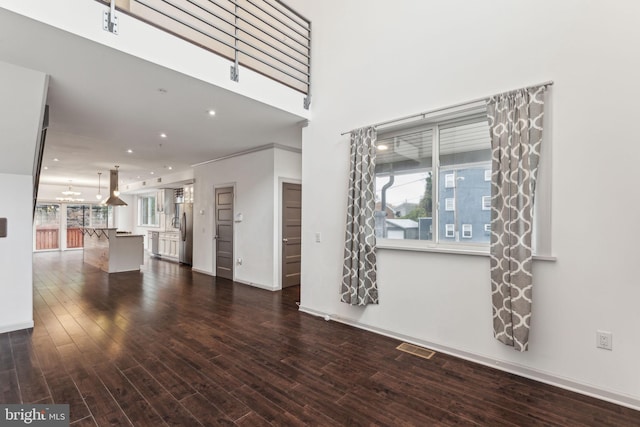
(460, 249)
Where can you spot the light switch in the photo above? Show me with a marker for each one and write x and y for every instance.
(318, 237)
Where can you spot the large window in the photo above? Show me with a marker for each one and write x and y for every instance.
(101, 216)
(47, 226)
(58, 226)
(440, 201)
(78, 216)
(147, 215)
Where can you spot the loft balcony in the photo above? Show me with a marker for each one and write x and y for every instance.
(265, 36)
(258, 49)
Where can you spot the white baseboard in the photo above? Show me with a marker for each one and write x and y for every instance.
(16, 327)
(523, 371)
(257, 285)
(208, 273)
(244, 282)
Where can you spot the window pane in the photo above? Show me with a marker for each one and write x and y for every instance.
(77, 217)
(147, 211)
(47, 224)
(404, 202)
(465, 155)
(101, 216)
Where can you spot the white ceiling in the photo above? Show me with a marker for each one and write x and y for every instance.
(104, 102)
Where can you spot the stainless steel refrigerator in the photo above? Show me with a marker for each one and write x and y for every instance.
(186, 233)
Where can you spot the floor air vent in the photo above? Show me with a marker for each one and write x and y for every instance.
(425, 353)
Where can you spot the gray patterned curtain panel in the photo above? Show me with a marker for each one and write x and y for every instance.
(515, 122)
(359, 286)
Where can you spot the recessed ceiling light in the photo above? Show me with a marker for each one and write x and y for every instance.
(211, 113)
(138, 177)
(170, 167)
(56, 160)
(151, 173)
(163, 135)
(382, 147)
(46, 167)
(129, 151)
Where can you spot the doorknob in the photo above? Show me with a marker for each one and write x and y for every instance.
(215, 237)
(285, 240)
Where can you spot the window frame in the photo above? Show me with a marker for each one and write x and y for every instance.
(434, 124)
(542, 242)
(143, 220)
(484, 206)
(450, 180)
(464, 228)
(449, 204)
(449, 227)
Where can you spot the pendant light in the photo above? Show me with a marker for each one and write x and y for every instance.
(70, 191)
(99, 195)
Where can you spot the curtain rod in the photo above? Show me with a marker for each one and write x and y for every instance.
(459, 104)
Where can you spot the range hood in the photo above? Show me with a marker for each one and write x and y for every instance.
(114, 200)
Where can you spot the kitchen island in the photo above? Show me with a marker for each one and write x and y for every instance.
(112, 251)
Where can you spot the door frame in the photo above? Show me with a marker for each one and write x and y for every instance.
(214, 242)
(278, 238)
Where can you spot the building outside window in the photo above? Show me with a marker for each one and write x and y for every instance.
(446, 193)
(448, 230)
(486, 203)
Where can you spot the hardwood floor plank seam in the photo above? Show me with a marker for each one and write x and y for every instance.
(169, 346)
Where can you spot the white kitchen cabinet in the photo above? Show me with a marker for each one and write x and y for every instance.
(164, 201)
(168, 245)
(173, 246)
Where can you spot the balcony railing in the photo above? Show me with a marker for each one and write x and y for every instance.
(75, 238)
(47, 238)
(264, 35)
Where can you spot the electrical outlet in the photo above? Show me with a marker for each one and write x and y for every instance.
(318, 237)
(604, 340)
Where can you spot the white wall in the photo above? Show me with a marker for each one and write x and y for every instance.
(287, 168)
(16, 301)
(22, 95)
(379, 60)
(255, 177)
(252, 176)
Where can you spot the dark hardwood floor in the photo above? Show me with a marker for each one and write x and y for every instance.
(168, 346)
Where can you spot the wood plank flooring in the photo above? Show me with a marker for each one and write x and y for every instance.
(168, 346)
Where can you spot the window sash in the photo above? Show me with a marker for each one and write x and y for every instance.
(449, 230)
(486, 203)
(542, 238)
(147, 211)
(453, 158)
